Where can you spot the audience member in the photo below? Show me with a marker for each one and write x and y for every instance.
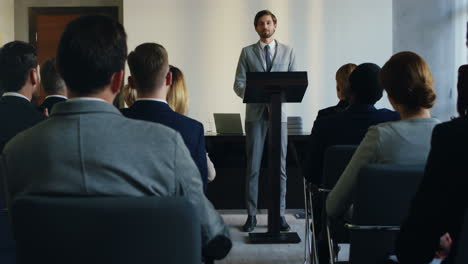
(151, 78)
(349, 126)
(129, 95)
(438, 208)
(87, 148)
(342, 87)
(53, 86)
(19, 79)
(177, 98)
(407, 79)
(344, 128)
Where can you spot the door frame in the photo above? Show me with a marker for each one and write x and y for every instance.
(85, 10)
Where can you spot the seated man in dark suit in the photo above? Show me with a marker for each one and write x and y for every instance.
(342, 87)
(150, 76)
(345, 128)
(53, 85)
(88, 148)
(349, 126)
(19, 79)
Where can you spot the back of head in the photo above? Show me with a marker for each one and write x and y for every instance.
(51, 81)
(149, 65)
(462, 86)
(342, 80)
(364, 86)
(90, 51)
(408, 81)
(177, 97)
(17, 58)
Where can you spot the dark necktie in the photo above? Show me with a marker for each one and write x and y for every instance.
(267, 58)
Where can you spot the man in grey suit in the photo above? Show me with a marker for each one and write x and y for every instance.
(87, 148)
(267, 55)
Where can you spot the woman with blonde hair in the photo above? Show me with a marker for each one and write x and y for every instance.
(342, 86)
(407, 79)
(177, 98)
(129, 95)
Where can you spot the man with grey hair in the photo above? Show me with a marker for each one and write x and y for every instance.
(53, 85)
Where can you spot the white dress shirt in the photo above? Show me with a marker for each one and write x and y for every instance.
(272, 51)
(17, 95)
(152, 99)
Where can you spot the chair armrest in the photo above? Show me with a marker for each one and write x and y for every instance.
(324, 190)
(371, 227)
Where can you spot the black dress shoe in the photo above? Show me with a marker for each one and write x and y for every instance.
(284, 225)
(250, 224)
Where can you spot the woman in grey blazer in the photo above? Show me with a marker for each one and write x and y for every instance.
(407, 79)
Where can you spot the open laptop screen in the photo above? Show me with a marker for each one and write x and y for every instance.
(228, 124)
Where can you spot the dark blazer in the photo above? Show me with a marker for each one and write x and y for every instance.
(16, 115)
(49, 103)
(441, 201)
(191, 130)
(340, 107)
(346, 128)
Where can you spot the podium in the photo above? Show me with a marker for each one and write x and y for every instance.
(275, 88)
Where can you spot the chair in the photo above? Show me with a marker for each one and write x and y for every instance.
(460, 253)
(7, 244)
(335, 162)
(336, 159)
(106, 230)
(382, 200)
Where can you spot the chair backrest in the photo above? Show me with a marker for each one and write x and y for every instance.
(460, 253)
(106, 230)
(336, 159)
(7, 244)
(383, 197)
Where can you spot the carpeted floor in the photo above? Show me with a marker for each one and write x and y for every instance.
(245, 253)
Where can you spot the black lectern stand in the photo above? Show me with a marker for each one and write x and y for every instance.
(275, 88)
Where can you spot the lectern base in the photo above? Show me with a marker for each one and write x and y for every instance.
(274, 238)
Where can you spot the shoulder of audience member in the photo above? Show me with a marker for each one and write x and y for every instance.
(124, 111)
(159, 128)
(326, 112)
(23, 135)
(330, 122)
(189, 120)
(456, 127)
(384, 125)
(392, 115)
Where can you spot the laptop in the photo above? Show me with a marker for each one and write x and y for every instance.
(228, 124)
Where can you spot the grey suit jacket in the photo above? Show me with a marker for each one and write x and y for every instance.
(87, 148)
(399, 142)
(252, 59)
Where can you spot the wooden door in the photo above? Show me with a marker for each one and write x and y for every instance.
(46, 25)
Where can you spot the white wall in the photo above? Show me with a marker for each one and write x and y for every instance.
(438, 35)
(204, 38)
(7, 32)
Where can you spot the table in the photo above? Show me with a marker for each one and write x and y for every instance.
(227, 152)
